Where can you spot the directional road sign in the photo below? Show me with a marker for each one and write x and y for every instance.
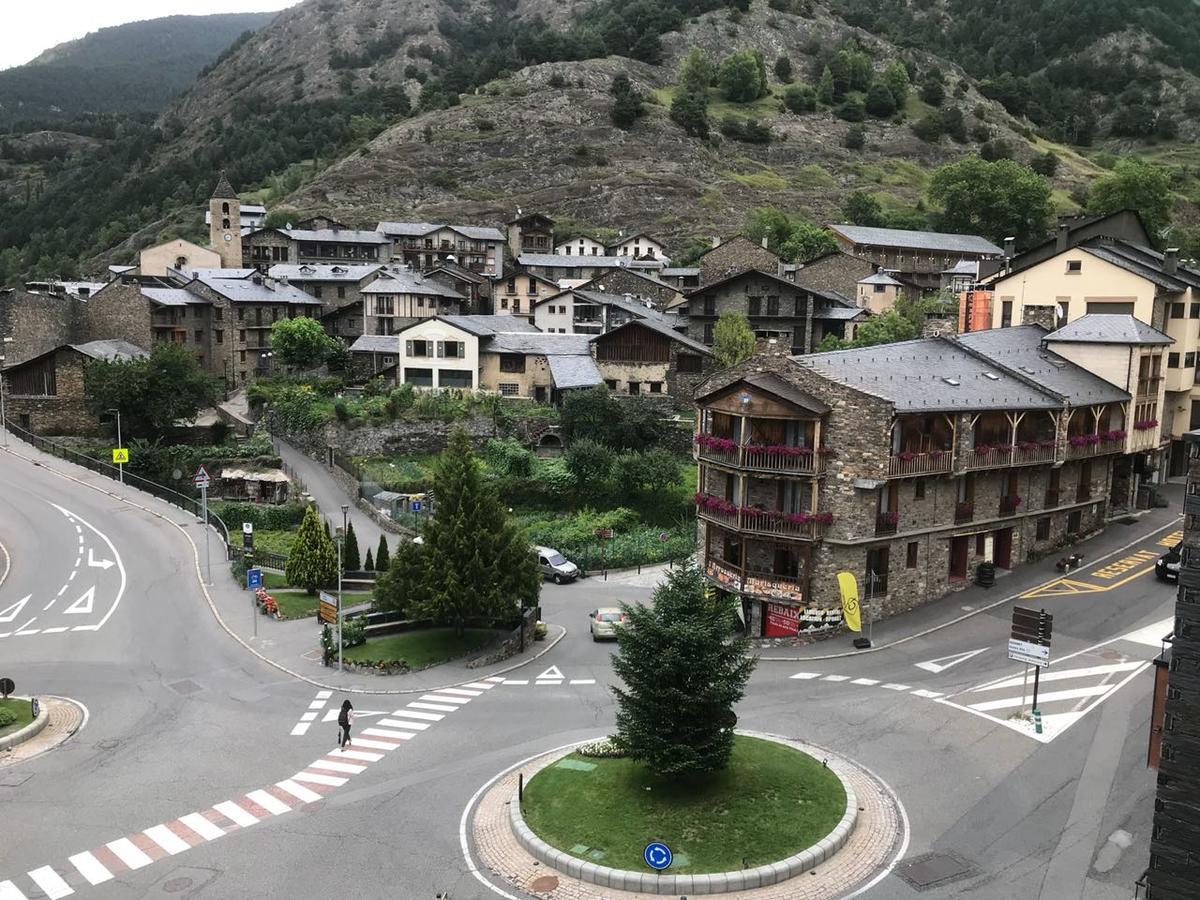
(253, 578)
(1024, 651)
(657, 855)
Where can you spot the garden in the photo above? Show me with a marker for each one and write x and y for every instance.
(15, 714)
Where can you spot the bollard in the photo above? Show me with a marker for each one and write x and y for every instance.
(1037, 721)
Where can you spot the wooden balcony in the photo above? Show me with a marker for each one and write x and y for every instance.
(905, 464)
(1144, 439)
(759, 459)
(769, 585)
(1005, 457)
(770, 523)
(1009, 505)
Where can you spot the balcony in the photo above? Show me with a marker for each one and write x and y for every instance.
(1144, 439)
(1009, 505)
(964, 512)
(1085, 446)
(906, 463)
(1083, 493)
(1004, 456)
(780, 459)
(761, 584)
(887, 522)
(755, 520)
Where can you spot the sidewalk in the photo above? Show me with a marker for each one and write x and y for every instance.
(975, 599)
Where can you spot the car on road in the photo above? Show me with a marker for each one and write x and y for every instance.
(1167, 567)
(555, 566)
(605, 621)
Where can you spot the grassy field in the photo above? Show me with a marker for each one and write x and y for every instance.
(23, 712)
(421, 648)
(299, 605)
(772, 801)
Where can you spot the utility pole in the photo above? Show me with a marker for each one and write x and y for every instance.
(341, 542)
(120, 466)
(3, 416)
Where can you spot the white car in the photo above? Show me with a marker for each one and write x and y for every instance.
(605, 621)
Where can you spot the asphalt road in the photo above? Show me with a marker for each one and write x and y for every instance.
(183, 718)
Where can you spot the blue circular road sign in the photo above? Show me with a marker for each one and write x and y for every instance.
(657, 855)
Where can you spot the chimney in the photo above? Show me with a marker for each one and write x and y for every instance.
(1170, 260)
(716, 242)
(257, 278)
(1062, 238)
(283, 280)
(764, 242)
(1010, 247)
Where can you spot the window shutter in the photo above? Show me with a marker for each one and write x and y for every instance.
(441, 349)
(408, 348)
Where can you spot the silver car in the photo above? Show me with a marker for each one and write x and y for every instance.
(605, 621)
(555, 566)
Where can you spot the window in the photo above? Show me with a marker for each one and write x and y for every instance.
(1043, 528)
(1172, 360)
(708, 334)
(451, 349)
(455, 378)
(635, 387)
(532, 287)
(919, 489)
(1075, 265)
(610, 383)
(688, 363)
(980, 544)
(421, 303)
(656, 387)
(385, 306)
(876, 574)
(241, 356)
(418, 377)
(241, 314)
(504, 303)
(755, 306)
(512, 362)
(220, 336)
(1075, 522)
(879, 288)
(317, 291)
(508, 389)
(416, 348)
(341, 292)
(1006, 313)
(772, 306)
(710, 306)
(910, 561)
(1177, 310)
(389, 360)
(1189, 360)
(242, 335)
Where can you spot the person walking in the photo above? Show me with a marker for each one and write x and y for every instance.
(345, 717)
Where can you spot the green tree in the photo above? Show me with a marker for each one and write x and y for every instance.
(351, 559)
(856, 138)
(825, 89)
(401, 586)
(648, 473)
(807, 242)
(993, 199)
(861, 208)
(689, 110)
(1135, 184)
(733, 341)
(369, 562)
(280, 218)
(933, 91)
(851, 69)
(783, 69)
(382, 558)
(152, 392)
(880, 102)
(476, 560)
(627, 102)
(300, 342)
(851, 109)
(885, 328)
(742, 76)
(681, 673)
(1045, 164)
(312, 562)
(768, 222)
(800, 98)
(591, 464)
(895, 76)
(696, 72)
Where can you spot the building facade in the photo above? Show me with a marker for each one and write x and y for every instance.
(917, 257)
(424, 246)
(645, 357)
(778, 310)
(394, 300)
(330, 244)
(737, 254)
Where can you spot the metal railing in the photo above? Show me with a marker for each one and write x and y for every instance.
(131, 479)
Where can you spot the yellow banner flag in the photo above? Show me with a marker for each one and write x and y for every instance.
(850, 609)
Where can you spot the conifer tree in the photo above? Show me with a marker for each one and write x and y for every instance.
(382, 557)
(369, 562)
(351, 560)
(682, 675)
(312, 563)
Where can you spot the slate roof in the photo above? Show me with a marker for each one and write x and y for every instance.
(746, 273)
(486, 326)
(574, 371)
(110, 350)
(839, 313)
(1142, 261)
(323, 272)
(478, 232)
(633, 306)
(247, 291)
(406, 229)
(680, 271)
(1019, 349)
(917, 240)
(569, 262)
(1095, 328)
(376, 343)
(663, 329)
(393, 282)
(963, 267)
(538, 343)
(880, 278)
(776, 384)
(171, 296)
(215, 273)
(930, 375)
(336, 235)
(224, 190)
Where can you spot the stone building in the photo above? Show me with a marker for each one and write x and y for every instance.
(38, 322)
(224, 225)
(639, 285)
(532, 233)
(337, 288)
(312, 242)
(778, 310)
(519, 293)
(160, 259)
(476, 287)
(581, 311)
(682, 278)
(424, 246)
(836, 271)
(45, 394)
(737, 254)
(397, 299)
(916, 257)
(645, 356)
(906, 465)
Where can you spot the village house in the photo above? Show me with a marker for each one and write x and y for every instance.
(877, 293)
(644, 356)
(907, 465)
(638, 246)
(1114, 277)
(682, 278)
(532, 233)
(475, 286)
(338, 288)
(177, 254)
(395, 299)
(916, 257)
(645, 286)
(580, 245)
(582, 311)
(737, 254)
(778, 310)
(45, 394)
(836, 271)
(571, 271)
(520, 292)
(424, 246)
(1071, 231)
(314, 241)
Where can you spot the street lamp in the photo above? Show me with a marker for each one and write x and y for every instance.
(264, 363)
(120, 466)
(340, 545)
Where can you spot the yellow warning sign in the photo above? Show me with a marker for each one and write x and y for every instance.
(120, 455)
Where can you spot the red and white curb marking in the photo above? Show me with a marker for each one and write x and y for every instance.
(323, 775)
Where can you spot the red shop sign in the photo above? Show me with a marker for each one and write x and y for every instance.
(780, 620)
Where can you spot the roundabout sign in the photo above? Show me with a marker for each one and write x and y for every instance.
(657, 855)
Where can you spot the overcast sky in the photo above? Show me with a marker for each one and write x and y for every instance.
(29, 27)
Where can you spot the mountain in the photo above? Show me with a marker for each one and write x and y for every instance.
(138, 67)
(468, 109)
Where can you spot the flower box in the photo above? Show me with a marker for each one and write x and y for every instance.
(1116, 436)
(1145, 424)
(709, 503)
(718, 444)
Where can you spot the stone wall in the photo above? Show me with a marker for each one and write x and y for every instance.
(40, 322)
(120, 312)
(793, 323)
(623, 281)
(1046, 316)
(836, 271)
(736, 255)
(64, 413)
(520, 638)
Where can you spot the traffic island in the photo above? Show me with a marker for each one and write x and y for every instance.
(18, 722)
(831, 821)
(57, 720)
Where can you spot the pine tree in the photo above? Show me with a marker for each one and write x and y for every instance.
(382, 557)
(477, 562)
(682, 676)
(312, 563)
(402, 588)
(351, 560)
(328, 531)
(825, 88)
(369, 562)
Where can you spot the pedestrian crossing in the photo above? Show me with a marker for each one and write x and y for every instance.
(312, 783)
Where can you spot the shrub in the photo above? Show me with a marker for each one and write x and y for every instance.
(880, 102)
(750, 131)
(851, 110)
(7, 717)
(508, 458)
(263, 517)
(856, 138)
(800, 98)
(591, 463)
(783, 69)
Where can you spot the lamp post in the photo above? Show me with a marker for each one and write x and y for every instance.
(264, 363)
(3, 416)
(340, 544)
(120, 466)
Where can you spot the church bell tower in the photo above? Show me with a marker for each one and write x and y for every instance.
(225, 224)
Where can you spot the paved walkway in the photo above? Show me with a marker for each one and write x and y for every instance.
(66, 718)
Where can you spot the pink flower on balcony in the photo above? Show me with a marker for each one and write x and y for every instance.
(1145, 424)
(983, 449)
(1013, 501)
(711, 504)
(1030, 446)
(719, 444)
(1116, 436)
(1003, 448)
(827, 451)
(907, 455)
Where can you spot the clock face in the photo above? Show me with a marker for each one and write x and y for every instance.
(229, 237)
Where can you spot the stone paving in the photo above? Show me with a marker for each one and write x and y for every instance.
(65, 719)
(876, 838)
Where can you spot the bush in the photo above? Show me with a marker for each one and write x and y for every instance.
(507, 458)
(264, 517)
(996, 149)
(7, 717)
(851, 110)
(856, 138)
(591, 464)
(800, 98)
(750, 131)
(880, 102)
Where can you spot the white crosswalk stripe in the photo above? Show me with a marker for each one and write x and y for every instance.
(9, 891)
(1095, 690)
(91, 868)
(235, 813)
(203, 827)
(167, 839)
(51, 883)
(129, 853)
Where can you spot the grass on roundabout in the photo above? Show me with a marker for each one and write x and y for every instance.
(23, 711)
(421, 648)
(771, 802)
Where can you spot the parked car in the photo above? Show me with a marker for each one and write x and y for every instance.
(1167, 567)
(605, 621)
(555, 566)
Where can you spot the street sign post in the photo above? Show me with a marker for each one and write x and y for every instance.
(201, 480)
(247, 535)
(1033, 654)
(602, 535)
(254, 578)
(1030, 643)
(657, 855)
(327, 610)
(120, 455)
(6, 687)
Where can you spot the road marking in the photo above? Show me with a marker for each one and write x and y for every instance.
(479, 685)
(582, 681)
(269, 802)
(57, 629)
(25, 629)
(1068, 587)
(206, 829)
(895, 687)
(1063, 674)
(1171, 539)
(928, 695)
(324, 695)
(331, 766)
(310, 715)
(836, 678)
(1151, 635)
(1047, 697)
(51, 883)
(516, 681)
(417, 714)
(942, 663)
(807, 675)
(90, 868)
(116, 556)
(332, 714)
(375, 745)
(389, 733)
(460, 692)
(94, 563)
(318, 778)
(1123, 565)
(299, 791)
(360, 754)
(552, 672)
(434, 706)
(236, 814)
(9, 891)
(867, 681)
(84, 603)
(397, 723)
(129, 853)
(167, 839)
(438, 698)
(306, 719)
(11, 612)
(317, 704)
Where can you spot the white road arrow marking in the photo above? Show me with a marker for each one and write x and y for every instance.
(98, 563)
(84, 603)
(552, 672)
(7, 615)
(114, 555)
(942, 663)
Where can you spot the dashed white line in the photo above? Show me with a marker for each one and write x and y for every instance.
(516, 681)
(9, 891)
(805, 676)
(836, 678)
(436, 707)
(583, 681)
(896, 687)
(438, 698)
(866, 681)
(324, 695)
(460, 692)
(929, 695)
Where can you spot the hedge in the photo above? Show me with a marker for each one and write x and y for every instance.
(266, 517)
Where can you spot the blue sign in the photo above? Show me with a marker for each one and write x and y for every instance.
(657, 855)
(415, 506)
(253, 578)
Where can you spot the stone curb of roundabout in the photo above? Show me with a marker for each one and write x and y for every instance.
(29, 731)
(710, 883)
